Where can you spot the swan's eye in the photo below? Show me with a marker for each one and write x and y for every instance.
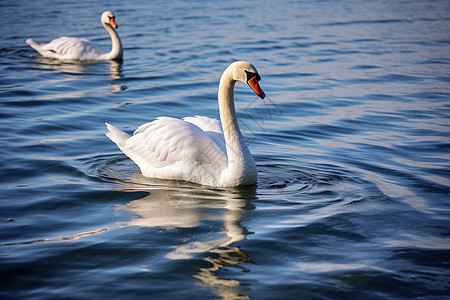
(251, 75)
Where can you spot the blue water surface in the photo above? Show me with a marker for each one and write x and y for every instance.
(352, 146)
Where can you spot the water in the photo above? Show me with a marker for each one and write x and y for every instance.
(352, 148)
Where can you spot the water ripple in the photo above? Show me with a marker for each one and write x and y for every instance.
(351, 145)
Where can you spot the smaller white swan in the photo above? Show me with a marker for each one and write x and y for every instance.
(70, 48)
(197, 149)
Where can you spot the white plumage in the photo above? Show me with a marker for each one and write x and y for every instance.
(197, 149)
(70, 48)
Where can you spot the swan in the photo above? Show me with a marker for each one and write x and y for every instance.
(197, 149)
(70, 48)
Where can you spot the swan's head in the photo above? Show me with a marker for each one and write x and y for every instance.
(108, 18)
(247, 73)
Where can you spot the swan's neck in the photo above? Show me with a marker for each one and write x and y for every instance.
(227, 111)
(116, 52)
(240, 160)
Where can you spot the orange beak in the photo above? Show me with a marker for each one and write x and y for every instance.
(112, 21)
(253, 83)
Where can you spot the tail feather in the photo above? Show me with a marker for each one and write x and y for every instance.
(33, 44)
(116, 135)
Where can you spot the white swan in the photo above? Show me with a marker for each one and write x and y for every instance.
(196, 148)
(70, 48)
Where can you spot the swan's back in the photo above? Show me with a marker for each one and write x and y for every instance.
(170, 148)
(212, 127)
(68, 48)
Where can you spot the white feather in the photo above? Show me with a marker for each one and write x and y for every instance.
(171, 148)
(211, 127)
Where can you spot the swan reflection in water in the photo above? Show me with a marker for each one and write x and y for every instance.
(186, 205)
(172, 204)
(82, 67)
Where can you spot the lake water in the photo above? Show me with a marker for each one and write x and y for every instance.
(352, 146)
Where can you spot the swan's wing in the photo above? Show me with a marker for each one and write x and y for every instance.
(68, 48)
(212, 127)
(205, 123)
(174, 149)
